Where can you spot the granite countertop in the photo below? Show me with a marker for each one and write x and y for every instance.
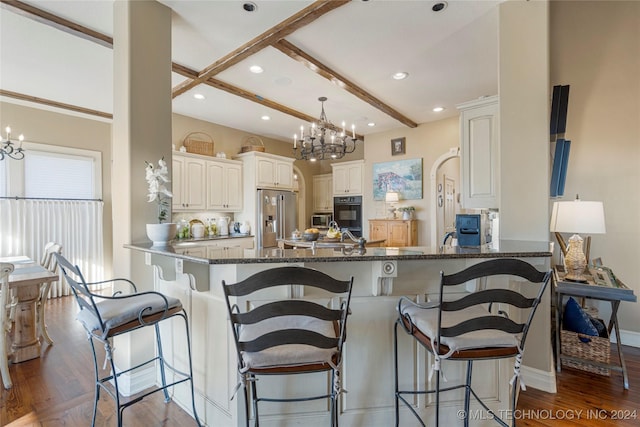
(505, 248)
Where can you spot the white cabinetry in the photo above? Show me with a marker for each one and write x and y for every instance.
(348, 178)
(323, 193)
(224, 185)
(201, 183)
(268, 170)
(479, 153)
(188, 183)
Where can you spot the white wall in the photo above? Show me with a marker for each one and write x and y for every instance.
(596, 50)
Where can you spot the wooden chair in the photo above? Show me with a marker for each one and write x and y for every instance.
(49, 262)
(5, 270)
(465, 329)
(105, 317)
(291, 336)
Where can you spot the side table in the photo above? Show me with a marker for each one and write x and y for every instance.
(613, 294)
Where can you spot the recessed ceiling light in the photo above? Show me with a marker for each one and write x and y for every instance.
(371, 124)
(198, 96)
(265, 118)
(438, 109)
(400, 75)
(249, 6)
(439, 6)
(256, 69)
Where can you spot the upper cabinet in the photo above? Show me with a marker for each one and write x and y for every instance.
(188, 175)
(224, 185)
(206, 183)
(269, 170)
(479, 153)
(323, 193)
(348, 178)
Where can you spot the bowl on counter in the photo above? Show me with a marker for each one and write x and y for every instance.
(310, 237)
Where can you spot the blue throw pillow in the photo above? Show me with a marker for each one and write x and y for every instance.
(576, 320)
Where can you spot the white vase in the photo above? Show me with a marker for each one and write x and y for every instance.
(406, 215)
(161, 234)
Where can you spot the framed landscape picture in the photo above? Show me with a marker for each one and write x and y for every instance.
(402, 176)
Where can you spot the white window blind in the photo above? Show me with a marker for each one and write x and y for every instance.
(54, 175)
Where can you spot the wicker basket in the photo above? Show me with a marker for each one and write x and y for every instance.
(252, 143)
(598, 349)
(199, 143)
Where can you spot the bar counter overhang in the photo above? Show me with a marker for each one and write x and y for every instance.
(193, 272)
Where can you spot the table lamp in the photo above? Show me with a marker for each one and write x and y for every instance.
(391, 198)
(576, 217)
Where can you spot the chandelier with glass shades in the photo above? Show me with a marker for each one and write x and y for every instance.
(9, 149)
(323, 140)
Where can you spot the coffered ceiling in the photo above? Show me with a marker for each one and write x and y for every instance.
(59, 53)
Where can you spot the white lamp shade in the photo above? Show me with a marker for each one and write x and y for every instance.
(578, 216)
(391, 197)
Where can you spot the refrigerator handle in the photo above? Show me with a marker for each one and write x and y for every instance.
(280, 213)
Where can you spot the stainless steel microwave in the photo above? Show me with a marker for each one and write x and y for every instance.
(321, 220)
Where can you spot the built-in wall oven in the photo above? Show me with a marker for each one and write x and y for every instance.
(347, 212)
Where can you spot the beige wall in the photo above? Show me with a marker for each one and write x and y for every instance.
(596, 49)
(428, 141)
(523, 81)
(53, 128)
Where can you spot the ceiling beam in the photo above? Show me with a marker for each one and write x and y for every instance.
(319, 68)
(56, 104)
(268, 38)
(218, 84)
(57, 22)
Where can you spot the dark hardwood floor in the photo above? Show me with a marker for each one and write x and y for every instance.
(585, 399)
(57, 390)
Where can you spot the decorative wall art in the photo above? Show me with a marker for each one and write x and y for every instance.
(402, 176)
(398, 146)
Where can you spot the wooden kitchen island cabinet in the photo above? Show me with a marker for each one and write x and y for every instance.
(396, 232)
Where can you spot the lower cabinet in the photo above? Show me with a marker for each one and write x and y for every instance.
(395, 232)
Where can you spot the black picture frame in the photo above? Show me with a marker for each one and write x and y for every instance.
(398, 146)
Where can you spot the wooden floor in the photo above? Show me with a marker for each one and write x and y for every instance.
(57, 390)
(586, 399)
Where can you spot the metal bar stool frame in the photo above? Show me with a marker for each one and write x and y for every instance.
(501, 322)
(148, 314)
(284, 276)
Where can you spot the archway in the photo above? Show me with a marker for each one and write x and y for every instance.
(452, 153)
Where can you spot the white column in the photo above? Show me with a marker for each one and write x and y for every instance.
(141, 131)
(524, 148)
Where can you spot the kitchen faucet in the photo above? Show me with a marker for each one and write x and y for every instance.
(359, 240)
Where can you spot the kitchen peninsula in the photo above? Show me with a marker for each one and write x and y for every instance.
(381, 276)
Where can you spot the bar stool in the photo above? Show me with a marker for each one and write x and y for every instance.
(288, 337)
(105, 317)
(465, 328)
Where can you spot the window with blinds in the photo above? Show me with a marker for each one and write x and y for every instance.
(53, 172)
(58, 176)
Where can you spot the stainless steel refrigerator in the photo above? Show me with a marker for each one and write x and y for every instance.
(276, 217)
